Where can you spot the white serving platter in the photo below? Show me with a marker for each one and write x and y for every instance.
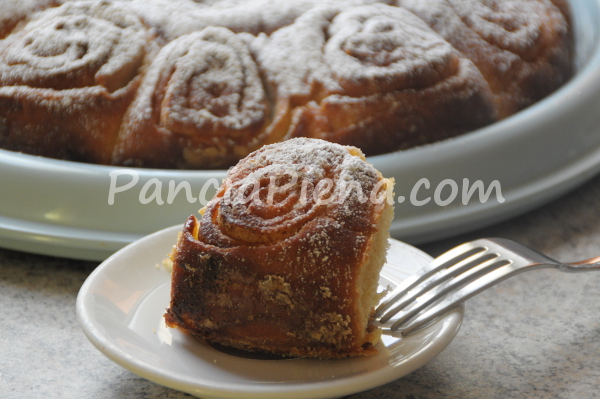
(62, 208)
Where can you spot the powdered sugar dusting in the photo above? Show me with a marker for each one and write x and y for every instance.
(366, 50)
(202, 94)
(275, 191)
(176, 18)
(214, 84)
(93, 43)
(388, 48)
(512, 25)
(512, 42)
(310, 153)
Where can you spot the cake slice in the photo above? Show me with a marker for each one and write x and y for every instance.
(286, 257)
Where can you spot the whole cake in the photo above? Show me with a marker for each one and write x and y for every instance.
(286, 257)
(201, 84)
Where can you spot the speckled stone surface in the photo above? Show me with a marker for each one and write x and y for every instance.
(536, 335)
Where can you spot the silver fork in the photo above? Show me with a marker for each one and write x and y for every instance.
(458, 275)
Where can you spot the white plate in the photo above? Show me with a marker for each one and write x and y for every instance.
(120, 309)
(61, 208)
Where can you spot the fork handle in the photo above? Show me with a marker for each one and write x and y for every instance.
(483, 283)
(583, 266)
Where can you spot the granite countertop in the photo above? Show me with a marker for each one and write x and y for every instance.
(536, 335)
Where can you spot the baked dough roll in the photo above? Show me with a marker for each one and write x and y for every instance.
(286, 256)
(66, 79)
(375, 77)
(202, 104)
(522, 47)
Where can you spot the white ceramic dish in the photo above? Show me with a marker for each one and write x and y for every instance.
(120, 309)
(61, 208)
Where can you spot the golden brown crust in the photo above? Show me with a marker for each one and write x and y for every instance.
(381, 123)
(32, 122)
(282, 277)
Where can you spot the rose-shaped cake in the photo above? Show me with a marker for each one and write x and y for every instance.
(221, 78)
(201, 105)
(375, 76)
(286, 256)
(520, 46)
(66, 79)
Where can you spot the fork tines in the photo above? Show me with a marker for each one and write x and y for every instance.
(448, 273)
